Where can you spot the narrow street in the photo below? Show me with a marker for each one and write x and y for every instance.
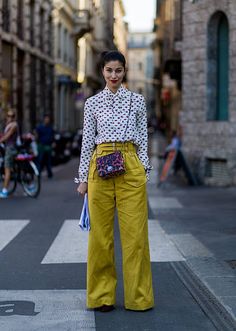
(43, 259)
(66, 69)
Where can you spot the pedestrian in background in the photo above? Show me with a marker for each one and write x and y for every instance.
(107, 116)
(45, 136)
(10, 139)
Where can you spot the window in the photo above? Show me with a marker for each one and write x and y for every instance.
(65, 44)
(5, 15)
(50, 38)
(32, 8)
(20, 12)
(59, 41)
(140, 66)
(218, 68)
(33, 92)
(41, 29)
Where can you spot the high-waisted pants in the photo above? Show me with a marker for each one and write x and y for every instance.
(127, 194)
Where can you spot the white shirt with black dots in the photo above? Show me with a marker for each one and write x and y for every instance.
(105, 120)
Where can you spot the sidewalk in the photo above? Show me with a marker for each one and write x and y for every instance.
(200, 221)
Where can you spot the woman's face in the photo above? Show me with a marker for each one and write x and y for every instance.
(113, 73)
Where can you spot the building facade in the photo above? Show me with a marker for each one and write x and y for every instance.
(50, 57)
(209, 91)
(120, 27)
(99, 39)
(26, 60)
(141, 66)
(70, 24)
(167, 72)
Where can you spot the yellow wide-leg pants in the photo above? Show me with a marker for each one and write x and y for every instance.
(126, 193)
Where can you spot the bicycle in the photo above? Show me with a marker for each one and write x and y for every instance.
(24, 172)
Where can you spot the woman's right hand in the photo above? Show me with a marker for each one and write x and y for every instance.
(82, 188)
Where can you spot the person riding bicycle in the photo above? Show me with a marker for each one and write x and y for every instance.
(10, 139)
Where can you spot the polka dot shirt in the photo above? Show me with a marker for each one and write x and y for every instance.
(105, 120)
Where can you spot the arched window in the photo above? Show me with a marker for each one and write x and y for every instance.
(218, 67)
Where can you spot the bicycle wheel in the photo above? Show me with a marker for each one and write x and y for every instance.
(13, 181)
(30, 179)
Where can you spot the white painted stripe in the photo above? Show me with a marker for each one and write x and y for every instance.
(69, 246)
(162, 248)
(189, 246)
(42, 310)
(163, 203)
(9, 229)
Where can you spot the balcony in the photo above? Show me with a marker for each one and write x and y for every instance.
(82, 23)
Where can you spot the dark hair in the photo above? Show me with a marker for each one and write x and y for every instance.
(108, 56)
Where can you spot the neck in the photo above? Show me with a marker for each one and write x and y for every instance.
(114, 90)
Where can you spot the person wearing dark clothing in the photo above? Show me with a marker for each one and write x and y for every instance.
(45, 136)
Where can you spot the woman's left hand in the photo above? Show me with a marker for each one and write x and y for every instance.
(82, 188)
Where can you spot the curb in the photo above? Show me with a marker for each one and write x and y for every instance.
(210, 304)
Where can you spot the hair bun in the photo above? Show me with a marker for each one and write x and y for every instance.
(104, 53)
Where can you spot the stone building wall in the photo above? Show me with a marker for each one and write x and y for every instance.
(26, 62)
(209, 145)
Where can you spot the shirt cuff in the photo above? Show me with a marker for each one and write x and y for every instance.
(81, 179)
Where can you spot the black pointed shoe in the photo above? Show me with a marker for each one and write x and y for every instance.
(105, 308)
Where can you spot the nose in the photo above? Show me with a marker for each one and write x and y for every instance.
(113, 74)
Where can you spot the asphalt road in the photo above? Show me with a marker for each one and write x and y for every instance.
(43, 269)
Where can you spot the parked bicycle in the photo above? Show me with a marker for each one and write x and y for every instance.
(24, 172)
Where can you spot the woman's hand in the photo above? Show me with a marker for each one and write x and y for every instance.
(82, 188)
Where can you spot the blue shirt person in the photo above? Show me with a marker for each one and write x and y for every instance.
(45, 136)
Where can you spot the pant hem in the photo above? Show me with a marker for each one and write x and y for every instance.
(138, 307)
(99, 304)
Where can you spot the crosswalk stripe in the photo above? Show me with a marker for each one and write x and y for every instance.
(189, 246)
(9, 229)
(58, 310)
(70, 245)
(162, 248)
(164, 203)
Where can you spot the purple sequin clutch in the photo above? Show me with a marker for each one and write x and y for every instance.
(111, 165)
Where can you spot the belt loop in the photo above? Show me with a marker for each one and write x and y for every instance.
(123, 146)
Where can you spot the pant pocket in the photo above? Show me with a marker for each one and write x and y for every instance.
(135, 177)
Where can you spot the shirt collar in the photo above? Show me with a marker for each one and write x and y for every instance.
(110, 96)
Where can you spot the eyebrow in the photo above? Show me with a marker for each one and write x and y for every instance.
(115, 68)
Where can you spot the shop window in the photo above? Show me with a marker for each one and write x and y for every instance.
(218, 68)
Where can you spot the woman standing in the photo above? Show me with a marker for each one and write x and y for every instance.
(115, 119)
